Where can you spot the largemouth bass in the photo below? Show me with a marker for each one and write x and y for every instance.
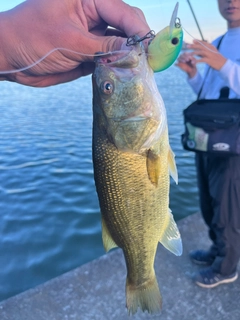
(132, 159)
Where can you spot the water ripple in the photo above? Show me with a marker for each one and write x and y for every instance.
(23, 190)
(29, 164)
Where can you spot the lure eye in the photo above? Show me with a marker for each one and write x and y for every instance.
(175, 41)
(107, 87)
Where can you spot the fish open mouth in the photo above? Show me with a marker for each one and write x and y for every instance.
(119, 59)
(110, 57)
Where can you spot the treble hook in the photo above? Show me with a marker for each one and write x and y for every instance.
(133, 40)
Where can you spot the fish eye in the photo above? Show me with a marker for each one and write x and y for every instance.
(175, 41)
(107, 87)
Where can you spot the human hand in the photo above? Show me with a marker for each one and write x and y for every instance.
(35, 27)
(187, 62)
(208, 54)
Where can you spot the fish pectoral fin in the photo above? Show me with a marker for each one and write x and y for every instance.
(108, 241)
(170, 237)
(172, 165)
(153, 167)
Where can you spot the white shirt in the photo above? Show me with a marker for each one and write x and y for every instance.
(228, 75)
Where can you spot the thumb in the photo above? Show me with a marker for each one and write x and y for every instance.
(111, 43)
(97, 44)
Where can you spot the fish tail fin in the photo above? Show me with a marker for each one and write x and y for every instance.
(145, 296)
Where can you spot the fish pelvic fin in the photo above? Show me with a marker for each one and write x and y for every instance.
(171, 238)
(153, 167)
(108, 242)
(172, 165)
(146, 296)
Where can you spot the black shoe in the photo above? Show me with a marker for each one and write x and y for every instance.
(202, 257)
(207, 278)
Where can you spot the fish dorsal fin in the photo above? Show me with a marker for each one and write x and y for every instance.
(170, 238)
(153, 167)
(172, 165)
(108, 241)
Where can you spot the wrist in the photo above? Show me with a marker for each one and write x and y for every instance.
(222, 62)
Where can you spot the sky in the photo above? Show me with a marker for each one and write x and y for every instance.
(158, 14)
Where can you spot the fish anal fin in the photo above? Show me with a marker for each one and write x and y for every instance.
(153, 167)
(170, 237)
(172, 165)
(108, 241)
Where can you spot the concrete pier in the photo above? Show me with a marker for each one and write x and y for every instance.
(96, 291)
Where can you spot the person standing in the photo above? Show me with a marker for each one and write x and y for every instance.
(218, 178)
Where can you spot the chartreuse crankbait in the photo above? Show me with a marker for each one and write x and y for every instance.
(164, 49)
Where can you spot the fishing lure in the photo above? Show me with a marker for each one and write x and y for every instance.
(165, 47)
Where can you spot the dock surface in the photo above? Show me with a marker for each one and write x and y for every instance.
(96, 290)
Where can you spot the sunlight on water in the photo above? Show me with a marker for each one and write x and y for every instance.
(49, 213)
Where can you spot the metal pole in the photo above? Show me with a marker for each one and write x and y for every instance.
(195, 20)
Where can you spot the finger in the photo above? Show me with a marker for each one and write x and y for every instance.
(128, 19)
(204, 47)
(187, 59)
(201, 42)
(196, 46)
(45, 81)
(200, 53)
(94, 44)
(180, 64)
(115, 32)
(202, 60)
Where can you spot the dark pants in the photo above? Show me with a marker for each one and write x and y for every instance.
(219, 191)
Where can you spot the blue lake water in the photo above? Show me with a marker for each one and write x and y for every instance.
(49, 213)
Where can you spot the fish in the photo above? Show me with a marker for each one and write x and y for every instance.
(132, 160)
(165, 47)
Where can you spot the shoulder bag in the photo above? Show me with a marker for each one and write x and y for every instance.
(213, 125)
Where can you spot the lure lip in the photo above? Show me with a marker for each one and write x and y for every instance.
(173, 19)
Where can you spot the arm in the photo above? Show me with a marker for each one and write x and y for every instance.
(196, 82)
(79, 25)
(230, 72)
(205, 53)
(187, 62)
